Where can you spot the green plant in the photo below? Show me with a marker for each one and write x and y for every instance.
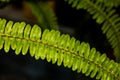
(60, 48)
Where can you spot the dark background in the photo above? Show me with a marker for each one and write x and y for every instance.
(77, 23)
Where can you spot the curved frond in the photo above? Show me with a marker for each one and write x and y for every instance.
(106, 16)
(45, 15)
(57, 48)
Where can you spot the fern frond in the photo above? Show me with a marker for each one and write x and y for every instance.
(106, 16)
(57, 48)
(45, 15)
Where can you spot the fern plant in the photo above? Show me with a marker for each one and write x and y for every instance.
(63, 49)
(106, 16)
(57, 48)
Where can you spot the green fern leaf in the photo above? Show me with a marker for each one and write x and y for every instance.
(58, 49)
(25, 42)
(106, 16)
(2, 26)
